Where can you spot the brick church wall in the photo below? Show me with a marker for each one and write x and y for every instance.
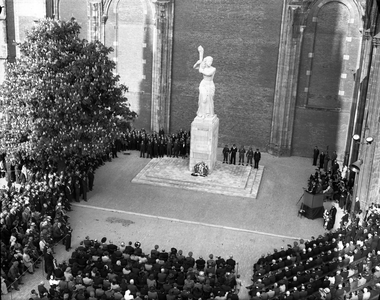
(242, 36)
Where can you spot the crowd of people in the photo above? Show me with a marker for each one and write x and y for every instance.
(156, 144)
(34, 205)
(103, 270)
(341, 264)
(34, 218)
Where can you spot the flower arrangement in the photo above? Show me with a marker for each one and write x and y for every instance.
(201, 169)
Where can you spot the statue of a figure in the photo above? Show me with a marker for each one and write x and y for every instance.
(206, 87)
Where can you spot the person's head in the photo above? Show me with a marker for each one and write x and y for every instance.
(208, 61)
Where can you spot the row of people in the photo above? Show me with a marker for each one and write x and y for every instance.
(153, 145)
(103, 270)
(229, 155)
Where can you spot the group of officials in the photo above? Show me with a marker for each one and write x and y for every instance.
(229, 155)
(156, 144)
(159, 144)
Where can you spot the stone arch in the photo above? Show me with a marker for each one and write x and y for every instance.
(129, 30)
(328, 62)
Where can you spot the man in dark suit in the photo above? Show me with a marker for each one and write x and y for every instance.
(226, 150)
(256, 158)
(233, 154)
(322, 159)
(315, 155)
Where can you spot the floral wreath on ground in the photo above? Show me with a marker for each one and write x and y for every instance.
(200, 169)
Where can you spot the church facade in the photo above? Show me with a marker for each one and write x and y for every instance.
(290, 75)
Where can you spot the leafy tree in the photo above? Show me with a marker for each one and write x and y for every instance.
(61, 96)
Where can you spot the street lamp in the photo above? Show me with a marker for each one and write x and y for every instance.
(368, 140)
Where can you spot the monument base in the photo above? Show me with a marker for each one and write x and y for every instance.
(204, 141)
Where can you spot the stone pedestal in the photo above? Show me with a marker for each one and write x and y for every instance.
(204, 142)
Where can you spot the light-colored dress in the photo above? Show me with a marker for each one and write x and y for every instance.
(206, 98)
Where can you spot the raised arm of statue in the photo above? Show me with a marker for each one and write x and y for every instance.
(199, 62)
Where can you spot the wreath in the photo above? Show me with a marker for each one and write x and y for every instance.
(200, 169)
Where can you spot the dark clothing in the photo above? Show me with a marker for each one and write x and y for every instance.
(233, 155)
(241, 156)
(49, 264)
(257, 157)
(249, 157)
(321, 160)
(315, 156)
(225, 154)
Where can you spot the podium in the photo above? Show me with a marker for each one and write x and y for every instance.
(313, 205)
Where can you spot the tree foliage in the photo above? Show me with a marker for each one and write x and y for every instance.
(60, 96)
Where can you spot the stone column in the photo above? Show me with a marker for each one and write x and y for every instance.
(369, 176)
(56, 9)
(355, 125)
(3, 40)
(287, 79)
(162, 65)
(95, 12)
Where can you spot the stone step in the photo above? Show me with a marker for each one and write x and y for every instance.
(250, 180)
(231, 180)
(256, 183)
(199, 186)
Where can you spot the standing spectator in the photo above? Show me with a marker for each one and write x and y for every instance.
(188, 147)
(257, 157)
(183, 148)
(149, 147)
(169, 147)
(91, 177)
(49, 263)
(321, 160)
(241, 155)
(77, 190)
(176, 148)
(249, 156)
(13, 275)
(315, 155)
(233, 154)
(161, 148)
(326, 161)
(225, 154)
(155, 148)
(142, 149)
(84, 184)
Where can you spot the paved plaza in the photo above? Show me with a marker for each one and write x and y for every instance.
(197, 221)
